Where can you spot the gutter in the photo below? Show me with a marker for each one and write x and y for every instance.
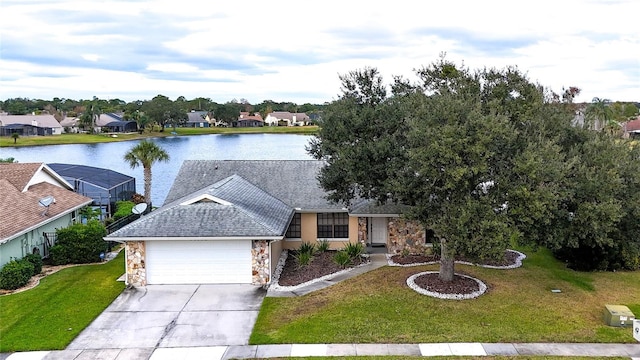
(187, 238)
(44, 222)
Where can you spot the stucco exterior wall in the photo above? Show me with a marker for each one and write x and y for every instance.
(309, 233)
(276, 250)
(309, 229)
(23, 245)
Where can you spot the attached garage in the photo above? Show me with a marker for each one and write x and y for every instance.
(198, 262)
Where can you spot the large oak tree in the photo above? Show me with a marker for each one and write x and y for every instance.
(458, 148)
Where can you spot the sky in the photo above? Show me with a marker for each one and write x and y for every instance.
(295, 50)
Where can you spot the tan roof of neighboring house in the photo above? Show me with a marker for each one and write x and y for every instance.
(19, 197)
(20, 211)
(46, 121)
(70, 121)
(19, 174)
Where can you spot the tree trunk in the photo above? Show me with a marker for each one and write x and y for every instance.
(446, 262)
(147, 187)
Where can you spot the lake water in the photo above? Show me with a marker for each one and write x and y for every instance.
(179, 148)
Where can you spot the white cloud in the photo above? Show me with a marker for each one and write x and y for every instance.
(293, 51)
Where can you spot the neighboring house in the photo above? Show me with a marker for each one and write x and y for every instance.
(104, 186)
(285, 118)
(246, 120)
(632, 128)
(198, 119)
(228, 222)
(71, 125)
(112, 122)
(29, 125)
(26, 224)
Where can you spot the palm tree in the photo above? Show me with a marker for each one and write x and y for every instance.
(15, 137)
(146, 153)
(599, 113)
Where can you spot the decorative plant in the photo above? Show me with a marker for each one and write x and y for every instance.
(306, 247)
(303, 258)
(323, 245)
(342, 258)
(354, 249)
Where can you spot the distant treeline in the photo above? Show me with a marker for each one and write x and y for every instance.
(61, 107)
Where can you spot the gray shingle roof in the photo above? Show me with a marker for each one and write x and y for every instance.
(294, 182)
(252, 213)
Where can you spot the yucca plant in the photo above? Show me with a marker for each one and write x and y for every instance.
(323, 245)
(342, 258)
(303, 259)
(306, 247)
(354, 249)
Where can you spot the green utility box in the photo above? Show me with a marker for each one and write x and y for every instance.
(618, 315)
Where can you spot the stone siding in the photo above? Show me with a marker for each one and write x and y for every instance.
(362, 231)
(136, 269)
(260, 262)
(406, 234)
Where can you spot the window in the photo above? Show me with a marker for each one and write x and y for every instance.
(333, 225)
(294, 230)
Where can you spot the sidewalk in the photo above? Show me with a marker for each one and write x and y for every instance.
(296, 350)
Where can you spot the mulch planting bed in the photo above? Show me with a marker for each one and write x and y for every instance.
(509, 259)
(322, 264)
(459, 285)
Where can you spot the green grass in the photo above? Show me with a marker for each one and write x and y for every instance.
(101, 138)
(53, 313)
(378, 307)
(519, 357)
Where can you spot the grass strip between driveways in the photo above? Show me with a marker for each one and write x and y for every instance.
(53, 313)
(379, 307)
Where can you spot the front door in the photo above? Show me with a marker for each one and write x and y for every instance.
(378, 231)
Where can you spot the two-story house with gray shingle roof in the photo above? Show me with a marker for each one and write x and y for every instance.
(228, 221)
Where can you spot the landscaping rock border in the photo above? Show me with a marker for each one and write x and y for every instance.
(275, 286)
(517, 264)
(411, 283)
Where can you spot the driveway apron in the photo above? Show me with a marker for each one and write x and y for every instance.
(175, 316)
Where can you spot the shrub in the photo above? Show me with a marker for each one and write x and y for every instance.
(36, 260)
(79, 243)
(303, 258)
(15, 274)
(306, 247)
(354, 249)
(123, 209)
(58, 255)
(342, 258)
(323, 245)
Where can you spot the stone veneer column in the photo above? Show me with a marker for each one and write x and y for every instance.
(362, 231)
(260, 262)
(136, 270)
(406, 234)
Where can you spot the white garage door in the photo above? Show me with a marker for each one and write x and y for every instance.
(198, 262)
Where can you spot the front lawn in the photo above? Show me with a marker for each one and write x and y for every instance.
(379, 307)
(53, 313)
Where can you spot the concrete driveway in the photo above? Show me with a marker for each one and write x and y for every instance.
(160, 316)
